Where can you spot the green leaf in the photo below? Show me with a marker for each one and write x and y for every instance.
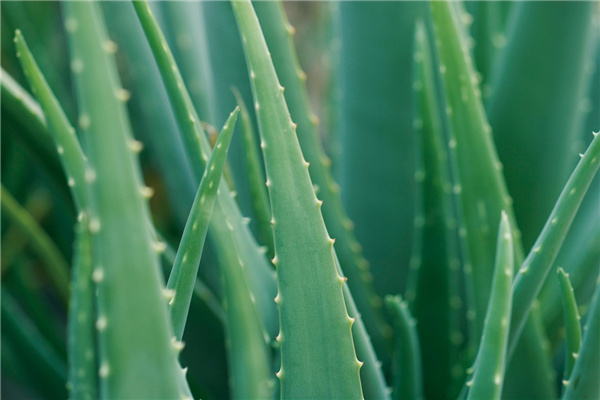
(67, 143)
(482, 193)
(185, 269)
(583, 383)
(132, 314)
(539, 261)
(83, 377)
(572, 324)
(407, 361)
(491, 360)
(310, 299)
(278, 35)
(579, 257)
(471, 143)
(434, 285)
(256, 178)
(371, 375)
(252, 375)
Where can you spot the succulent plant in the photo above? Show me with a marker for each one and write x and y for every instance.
(430, 231)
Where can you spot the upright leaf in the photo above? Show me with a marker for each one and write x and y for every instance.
(310, 297)
(256, 177)
(583, 382)
(540, 259)
(491, 360)
(185, 269)
(67, 143)
(434, 295)
(482, 190)
(407, 361)
(572, 324)
(132, 315)
(278, 35)
(83, 377)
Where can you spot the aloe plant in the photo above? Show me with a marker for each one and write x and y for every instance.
(386, 150)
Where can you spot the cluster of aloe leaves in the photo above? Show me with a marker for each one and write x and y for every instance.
(430, 231)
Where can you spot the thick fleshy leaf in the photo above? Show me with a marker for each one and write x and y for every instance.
(132, 313)
(310, 299)
(490, 364)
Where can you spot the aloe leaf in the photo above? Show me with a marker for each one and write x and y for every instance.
(583, 383)
(260, 275)
(45, 366)
(491, 360)
(249, 359)
(201, 290)
(551, 86)
(204, 357)
(483, 194)
(278, 35)
(539, 261)
(435, 302)
(407, 364)
(55, 265)
(132, 316)
(470, 131)
(372, 379)
(185, 269)
(67, 143)
(256, 177)
(83, 379)
(155, 126)
(310, 296)
(376, 132)
(579, 256)
(572, 324)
